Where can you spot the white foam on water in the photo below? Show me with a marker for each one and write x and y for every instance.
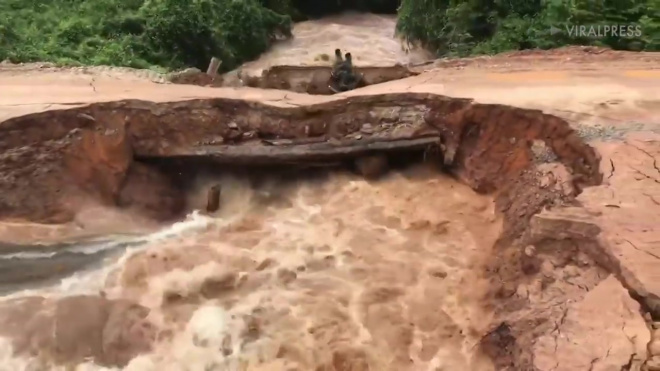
(86, 248)
(347, 276)
(91, 282)
(94, 281)
(29, 255)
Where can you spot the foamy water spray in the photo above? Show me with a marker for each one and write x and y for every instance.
(90, 282)
(369, 273)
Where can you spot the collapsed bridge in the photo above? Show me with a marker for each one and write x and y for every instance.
(115, 153)
(103, 150)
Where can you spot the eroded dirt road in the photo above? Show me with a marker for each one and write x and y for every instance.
(345, 274)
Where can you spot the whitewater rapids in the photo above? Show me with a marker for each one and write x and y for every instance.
(298, 274)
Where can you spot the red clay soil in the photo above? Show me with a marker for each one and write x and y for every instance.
(55, 161)
(88, 152)
(570, 56)
(557, 275)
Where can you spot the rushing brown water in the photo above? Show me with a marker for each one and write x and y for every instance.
(368, 37)
(378, 275)
(315, 274)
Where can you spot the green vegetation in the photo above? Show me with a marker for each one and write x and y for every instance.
(465, 27)
(173, 34)
(137, 33)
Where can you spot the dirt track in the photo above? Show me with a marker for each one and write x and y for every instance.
(563, 276)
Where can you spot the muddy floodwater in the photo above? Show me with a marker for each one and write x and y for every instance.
(298, 274)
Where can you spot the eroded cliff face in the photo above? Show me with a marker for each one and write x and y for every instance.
(54, 162)
(489, 143)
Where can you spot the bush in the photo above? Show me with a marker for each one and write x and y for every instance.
(137, 33)
(184, 33)
(463, 27)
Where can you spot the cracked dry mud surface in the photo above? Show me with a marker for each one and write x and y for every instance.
(553, 267)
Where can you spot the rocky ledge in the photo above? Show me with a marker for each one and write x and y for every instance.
(314, 79)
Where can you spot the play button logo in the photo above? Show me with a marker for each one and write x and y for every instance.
(554, 30)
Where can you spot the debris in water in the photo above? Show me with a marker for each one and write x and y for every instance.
(213, 198)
